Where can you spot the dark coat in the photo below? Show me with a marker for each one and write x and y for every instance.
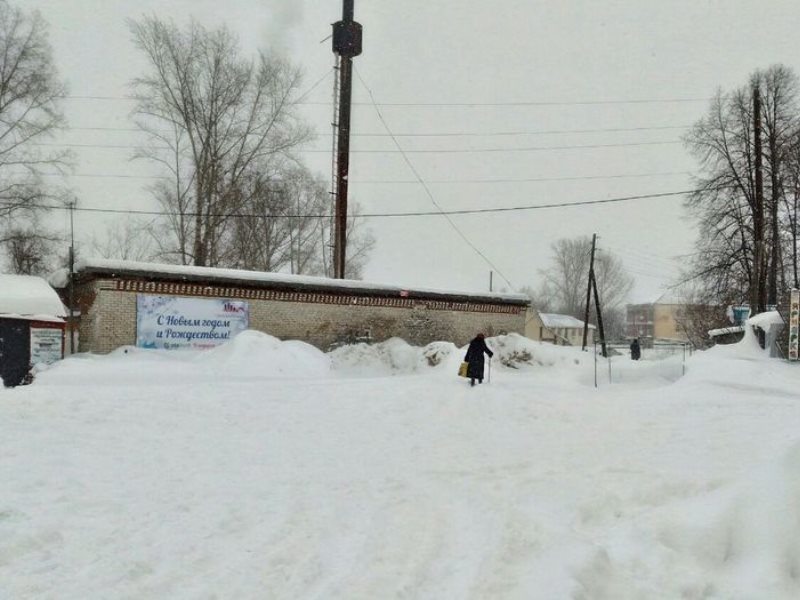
(636, 351)
(474, 357)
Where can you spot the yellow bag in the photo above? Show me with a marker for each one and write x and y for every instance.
(462, 370)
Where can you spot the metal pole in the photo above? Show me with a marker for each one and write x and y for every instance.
(491, 275)
(588, 294)
(683, 364)
(595, 363)
(71, 319)
(599, 316)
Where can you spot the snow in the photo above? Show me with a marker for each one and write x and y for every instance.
(270, 469)
(765, 319)
(762, 321)
(208, 273)
(29, 297)
(725, 330)
(556, 321)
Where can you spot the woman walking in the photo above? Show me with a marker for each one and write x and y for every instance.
(474, 358)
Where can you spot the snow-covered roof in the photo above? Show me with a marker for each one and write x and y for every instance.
(765, 319)
(725, 330)
(671, 298)
(556, 321)
(26, 296)
(668, 298)
(205, 274)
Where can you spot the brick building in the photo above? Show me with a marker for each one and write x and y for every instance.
(127, 303)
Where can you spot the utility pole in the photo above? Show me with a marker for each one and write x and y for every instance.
(71, 319)
(346, 44)
(491, 277)
(758, 294)
(589, 294)
(599, 317)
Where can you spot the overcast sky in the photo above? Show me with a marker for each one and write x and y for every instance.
(568, 65)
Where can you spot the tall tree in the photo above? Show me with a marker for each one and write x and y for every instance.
(220, 122)
(30, 113)
(726, 204)
(564, 282)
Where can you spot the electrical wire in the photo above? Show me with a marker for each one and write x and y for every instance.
(442, 134)
(412, 181)
(520, 149)
(439, 212)
(389, 151)
(524, 180)
(456, 104)
(425, 186)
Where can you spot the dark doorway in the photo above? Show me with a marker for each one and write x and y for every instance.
(15, 351)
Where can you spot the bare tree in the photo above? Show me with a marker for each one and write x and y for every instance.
(541, 300)
(284, 226)
(360, 243)
(564, 283)
(30, 112)
(126, 240)
(725, 205)
(219, 122)
(29, 249)
(791, 211)
(699, 314)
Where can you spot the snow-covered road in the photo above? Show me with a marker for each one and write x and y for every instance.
(142, 476)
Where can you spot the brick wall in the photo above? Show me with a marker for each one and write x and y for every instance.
(325, 320)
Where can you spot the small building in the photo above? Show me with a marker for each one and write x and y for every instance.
(561, 330)
(171, 307)
(31, 326)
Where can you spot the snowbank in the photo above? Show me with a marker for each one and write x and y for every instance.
(518, 352)
(258, 355)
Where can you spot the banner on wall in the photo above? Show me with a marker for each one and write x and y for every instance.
(46, 345)
(794, 325)
(173, 322)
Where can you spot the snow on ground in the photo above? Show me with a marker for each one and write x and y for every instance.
(265, 469)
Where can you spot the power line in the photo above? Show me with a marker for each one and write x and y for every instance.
(530, 103)
(103, 176)
(131, 98)
(522, 133)
(424, 185)
(441, 212)
(454, 104)
(314, 85)
(490, 150)
(410, 181)
(389, 151)
(524, 180)
(444, 133)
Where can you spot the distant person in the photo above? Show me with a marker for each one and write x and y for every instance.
(474, 358)
(636, 350)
